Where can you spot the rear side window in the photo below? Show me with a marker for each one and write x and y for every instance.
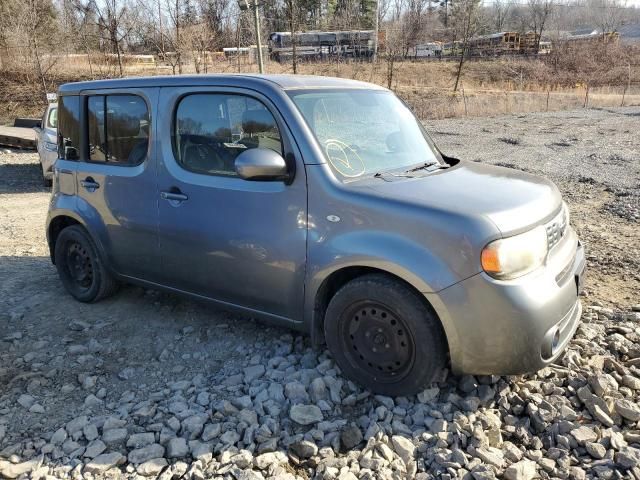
(118, 127)
(211, 130)
(69, 127)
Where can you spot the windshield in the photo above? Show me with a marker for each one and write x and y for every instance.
(365, 132)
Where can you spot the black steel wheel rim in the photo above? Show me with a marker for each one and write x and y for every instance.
(79, 266)
(377, 341)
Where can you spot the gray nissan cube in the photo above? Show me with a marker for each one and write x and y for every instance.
(319, 204)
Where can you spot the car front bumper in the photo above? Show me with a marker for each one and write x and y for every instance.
(518, 326)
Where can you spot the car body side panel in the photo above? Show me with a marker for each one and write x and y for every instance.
(232, 240)
(122, 211)
(431, 250)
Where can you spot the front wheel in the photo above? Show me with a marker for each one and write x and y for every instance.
(384, 336)
(80, 267)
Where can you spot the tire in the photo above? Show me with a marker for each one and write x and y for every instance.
(80, 268)
(46, 182)
(384, 336)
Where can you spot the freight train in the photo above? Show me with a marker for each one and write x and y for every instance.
(316, 45)
(495, 44)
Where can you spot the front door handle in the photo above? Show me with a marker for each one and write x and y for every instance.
(176, 197)
(89, 184)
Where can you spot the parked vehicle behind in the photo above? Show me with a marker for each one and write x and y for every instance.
(47, 142)
(319, 204)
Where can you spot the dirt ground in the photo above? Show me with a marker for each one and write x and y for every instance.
(70, 357)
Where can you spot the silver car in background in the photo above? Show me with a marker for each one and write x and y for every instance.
(47, 142)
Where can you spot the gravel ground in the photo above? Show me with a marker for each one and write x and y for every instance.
(147, 384)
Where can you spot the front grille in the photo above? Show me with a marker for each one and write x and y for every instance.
(556, 228)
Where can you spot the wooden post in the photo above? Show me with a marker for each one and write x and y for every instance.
(548, 92)
(464, 99)
(586, 97)
(627, 86)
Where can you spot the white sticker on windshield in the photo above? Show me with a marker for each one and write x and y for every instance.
(344, 158)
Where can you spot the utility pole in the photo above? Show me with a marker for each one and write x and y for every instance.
(376, 28)
(257, 20)
(161, 33)
(244, 5)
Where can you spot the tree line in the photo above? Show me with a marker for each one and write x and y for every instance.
(34, 34)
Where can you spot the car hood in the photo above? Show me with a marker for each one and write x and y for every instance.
(513, 200)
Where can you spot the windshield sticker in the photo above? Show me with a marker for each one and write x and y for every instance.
(344, 158)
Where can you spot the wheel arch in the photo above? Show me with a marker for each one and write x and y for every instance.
(59, 222)
(340, 277)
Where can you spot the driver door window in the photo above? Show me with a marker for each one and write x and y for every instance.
(211, 130)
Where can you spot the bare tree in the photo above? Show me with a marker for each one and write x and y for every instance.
(414, 23)
(81, 28)
(113, 19)
(213, 13)
(465, 16)
(292, 14)
(607, 15)
(396, 39)
(150, 29)
(539, 11)
(175, 11)
(37, 14)
(445, 6)
(500, 11)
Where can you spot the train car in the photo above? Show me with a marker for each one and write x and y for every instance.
(530, 43)
(452, 49)
(428, 50)
(595, 36)
(317, 45)
(233, 52)
(545, 48)
(501, 43)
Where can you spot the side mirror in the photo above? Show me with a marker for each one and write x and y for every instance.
(261, 164)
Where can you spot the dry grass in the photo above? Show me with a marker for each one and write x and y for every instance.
(500, 86)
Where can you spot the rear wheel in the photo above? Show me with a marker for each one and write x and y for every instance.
(384, 336)
(80, 268)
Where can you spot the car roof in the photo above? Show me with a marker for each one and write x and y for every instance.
(285, 82)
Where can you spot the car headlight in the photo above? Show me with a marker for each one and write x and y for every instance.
(50, 146)
(515, 256)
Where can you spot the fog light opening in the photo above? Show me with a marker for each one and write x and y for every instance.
(555, 341)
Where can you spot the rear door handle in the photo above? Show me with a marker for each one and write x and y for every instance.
(90, 184)
(174, 196)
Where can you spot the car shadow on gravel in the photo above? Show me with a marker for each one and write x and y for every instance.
(21, 178)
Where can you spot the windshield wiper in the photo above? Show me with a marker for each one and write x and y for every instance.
(426, 166)
(383, 174)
